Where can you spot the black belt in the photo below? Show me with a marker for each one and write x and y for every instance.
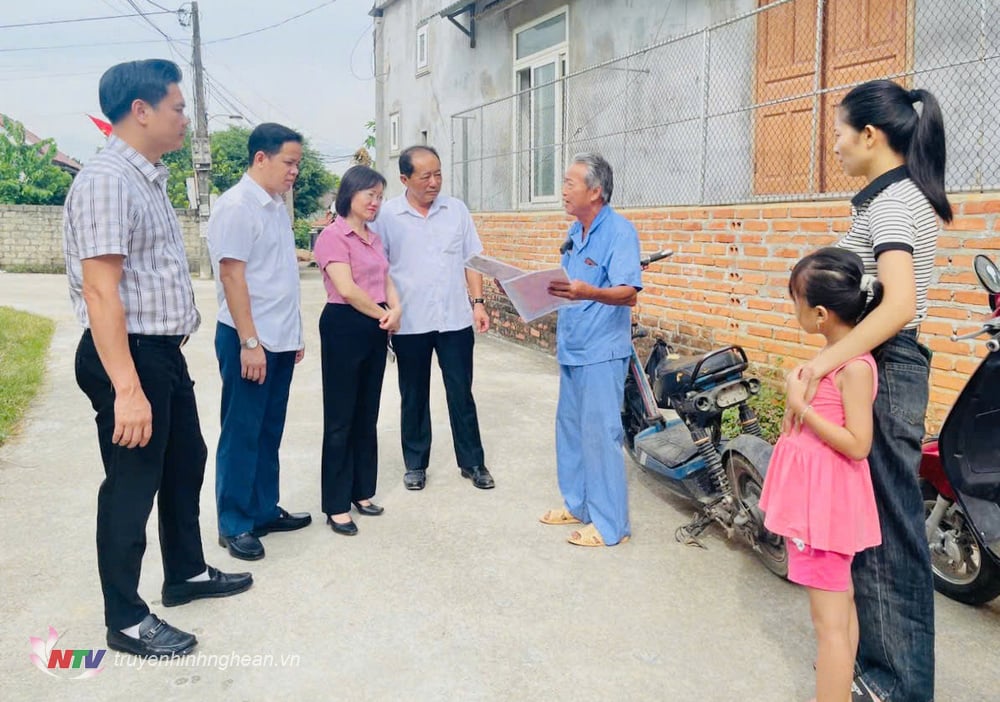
(177, 340)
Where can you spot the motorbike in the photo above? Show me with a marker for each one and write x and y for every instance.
(672, 416)
(960, 473)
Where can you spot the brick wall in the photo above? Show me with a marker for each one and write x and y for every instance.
(31, 237)
(727, 281)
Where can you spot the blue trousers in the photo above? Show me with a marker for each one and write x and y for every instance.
(253, 420)
(893, 583)
(589, 459)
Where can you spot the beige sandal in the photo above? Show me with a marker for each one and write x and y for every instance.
(590, 536)
(559, 516)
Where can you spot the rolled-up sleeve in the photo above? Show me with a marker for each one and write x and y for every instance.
(99, 216)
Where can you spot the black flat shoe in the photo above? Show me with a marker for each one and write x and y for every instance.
(349, 529)
(156, 639)
(371, 509)
(479, 476)
(245, 546)
(285, 521)
(219, 584)
(415, 479)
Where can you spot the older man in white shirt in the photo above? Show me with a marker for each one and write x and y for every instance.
(428, 237)
(258, 339)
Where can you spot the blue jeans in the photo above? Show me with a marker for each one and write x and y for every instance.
(253, 420)
(893, 584)
(589, 460)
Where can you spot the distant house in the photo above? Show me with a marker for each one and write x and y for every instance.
(67, 163)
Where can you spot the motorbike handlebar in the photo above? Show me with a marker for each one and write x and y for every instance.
(970, 335)
(658, 256)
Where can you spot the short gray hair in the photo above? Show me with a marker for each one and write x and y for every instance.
(598, 173)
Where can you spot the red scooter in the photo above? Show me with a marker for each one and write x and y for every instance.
(960, 473)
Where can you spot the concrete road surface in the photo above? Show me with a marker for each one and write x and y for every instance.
(453, 594)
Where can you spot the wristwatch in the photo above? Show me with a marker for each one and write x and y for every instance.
(478, 301)
(251, 343)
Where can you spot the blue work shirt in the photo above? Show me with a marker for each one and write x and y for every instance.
(427, 262)
(592, 332)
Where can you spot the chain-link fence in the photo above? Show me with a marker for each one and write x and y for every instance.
(741, 111)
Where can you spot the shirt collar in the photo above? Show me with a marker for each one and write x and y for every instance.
(576, 231)
(868, 193)
(341, 227)
(150, 171)
(262, 197)
(440, 202)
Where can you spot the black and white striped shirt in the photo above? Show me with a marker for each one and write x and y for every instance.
(892, 214)
(118, 205)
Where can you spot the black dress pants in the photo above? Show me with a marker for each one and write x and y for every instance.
(352, 353)
(170, 467)
(454, 354)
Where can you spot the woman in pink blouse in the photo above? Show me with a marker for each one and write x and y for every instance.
(362, 309)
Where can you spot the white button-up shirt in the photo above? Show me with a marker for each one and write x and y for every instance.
(248, 224)
(427, 262)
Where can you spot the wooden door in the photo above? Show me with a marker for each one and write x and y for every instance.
(786, 65)
(863, 39)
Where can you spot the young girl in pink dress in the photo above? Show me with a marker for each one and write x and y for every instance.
(818, 492)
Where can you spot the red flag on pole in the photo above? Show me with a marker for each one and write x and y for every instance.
(102, 125)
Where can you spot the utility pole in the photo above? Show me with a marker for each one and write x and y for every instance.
(201, 150)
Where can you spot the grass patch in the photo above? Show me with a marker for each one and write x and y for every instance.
(35, 268)
(24, 339)
(769, 404)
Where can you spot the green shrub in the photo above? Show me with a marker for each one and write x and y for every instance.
(769, 404)
(302, 229)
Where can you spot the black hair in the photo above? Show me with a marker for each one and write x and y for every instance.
(917, 137)
(269, 137)
(832, 277)
(124, 83)
(406, 158)
(354, 180)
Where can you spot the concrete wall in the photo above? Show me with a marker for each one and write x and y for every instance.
(728, 280)
(460, 77)
(31, 237)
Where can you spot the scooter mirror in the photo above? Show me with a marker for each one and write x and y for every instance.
(988, 273)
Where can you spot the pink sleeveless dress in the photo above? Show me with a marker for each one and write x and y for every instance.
(816, 494)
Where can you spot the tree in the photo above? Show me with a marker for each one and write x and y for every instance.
(229, 163)
(27, 174)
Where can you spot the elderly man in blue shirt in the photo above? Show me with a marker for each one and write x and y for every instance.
(428, 237)
(594, 342)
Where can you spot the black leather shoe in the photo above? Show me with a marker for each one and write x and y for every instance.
(349, 529)
(479, 476)
(219, 584)
(285, 521)
(415, 479)
(371, 509)
(156, 639)
(244, 546)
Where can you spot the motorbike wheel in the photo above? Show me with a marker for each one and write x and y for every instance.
(747, 485)
(974, 578)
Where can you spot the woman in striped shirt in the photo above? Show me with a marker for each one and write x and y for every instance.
(894, 138)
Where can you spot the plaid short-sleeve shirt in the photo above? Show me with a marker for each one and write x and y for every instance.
(118, 205)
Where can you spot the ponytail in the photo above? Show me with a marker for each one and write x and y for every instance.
(873, 297)
(925, 159)
(917, 136)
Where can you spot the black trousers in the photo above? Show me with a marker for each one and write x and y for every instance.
(454, 354)
(170, 467)
(352, 353)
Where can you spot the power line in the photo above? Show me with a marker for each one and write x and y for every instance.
(156, 4)
(80, 46)
(72, 21)
(270, 26)
(149, 21)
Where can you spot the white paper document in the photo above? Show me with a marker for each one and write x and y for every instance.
(528, 290)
